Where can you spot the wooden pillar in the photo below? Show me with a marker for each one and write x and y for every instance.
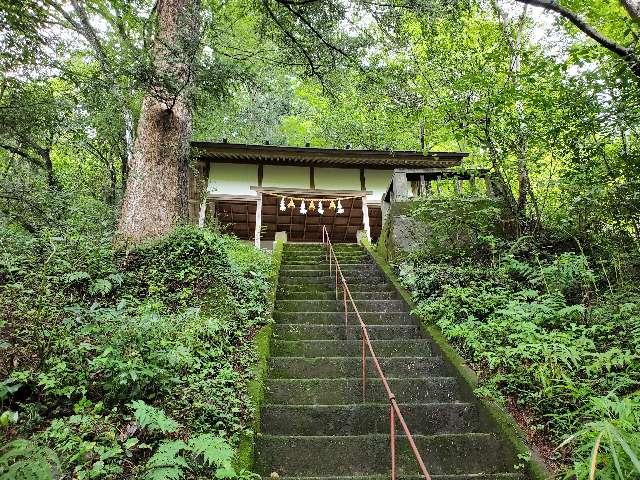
(423, 186)
(204, 191)
(258, 220)
(365, 217)
(202, 214)
(400, 186)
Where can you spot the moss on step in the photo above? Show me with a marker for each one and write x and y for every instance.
(369, 454)
(341, 391)
(335, 348)
(373, 318)
(244, 459)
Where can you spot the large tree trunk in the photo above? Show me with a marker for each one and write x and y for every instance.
(155, 199)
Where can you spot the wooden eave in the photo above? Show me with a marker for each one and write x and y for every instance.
(326, 157)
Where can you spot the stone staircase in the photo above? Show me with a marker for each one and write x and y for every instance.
(314, 424)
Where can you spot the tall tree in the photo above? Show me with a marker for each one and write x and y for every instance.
(155, 198)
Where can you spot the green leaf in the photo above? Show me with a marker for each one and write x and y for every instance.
(215, 450)
(131, 442)
(153, 418)
(167, 463)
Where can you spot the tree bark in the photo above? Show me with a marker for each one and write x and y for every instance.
(156, 197)
(632, 7)
(45, 153)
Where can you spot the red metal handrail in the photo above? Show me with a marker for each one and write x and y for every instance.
(394, 409)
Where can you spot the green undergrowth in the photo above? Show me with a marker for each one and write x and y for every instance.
(127, 364)
(551, 324)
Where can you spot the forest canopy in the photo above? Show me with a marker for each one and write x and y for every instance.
(527, 91)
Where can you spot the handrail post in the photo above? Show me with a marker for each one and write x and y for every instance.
(392, 436)
(364, 365)
(346, 314)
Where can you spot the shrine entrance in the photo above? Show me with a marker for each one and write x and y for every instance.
(343, 212)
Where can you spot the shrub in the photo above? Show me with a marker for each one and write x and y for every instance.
(165, 328)
(544, 331)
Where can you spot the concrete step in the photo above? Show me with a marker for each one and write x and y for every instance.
(449, 454)
(329, 285)
(350, 348)
(309, 247)
(341, 391)
(469, 476)
(323, 251)
(296, 331)
(333, 318)
(350, 277)
(344, 367)
(322, 257)
(324, 260)
(363, 419)
(333, 305)
(324, 269)
(331, 295)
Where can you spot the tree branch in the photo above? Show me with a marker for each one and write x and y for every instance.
(628, 54)
(582, 25)
(295, 42)
(318, 35)
(296, 2)
(632, 7)
(23, 154)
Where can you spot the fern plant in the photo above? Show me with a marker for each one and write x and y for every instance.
(174, 458)
(25, 460)
(152, 418)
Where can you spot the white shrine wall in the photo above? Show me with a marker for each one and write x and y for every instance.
(238, 178)
(232, 179)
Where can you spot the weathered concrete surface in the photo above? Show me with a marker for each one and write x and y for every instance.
(406, 235)
(351, 367)
(412, 347)
(340, 391)
(369, 454)
(363, 419)
(293, 331)
(314, 423)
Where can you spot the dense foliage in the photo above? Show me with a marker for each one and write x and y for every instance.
(109, 356)
(552, 325)
(128, 363)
